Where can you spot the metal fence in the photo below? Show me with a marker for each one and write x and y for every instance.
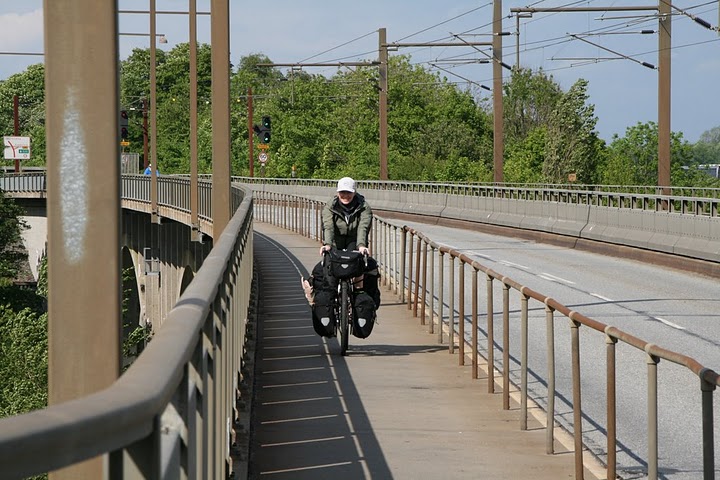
(172, 414)
(414, 267)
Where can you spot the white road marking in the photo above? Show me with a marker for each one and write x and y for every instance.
(515, 265)
(669, 323)
(553, 278)
(596, 295)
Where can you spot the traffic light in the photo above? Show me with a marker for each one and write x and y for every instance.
(263, 131)
(265, 135)
(124, 132)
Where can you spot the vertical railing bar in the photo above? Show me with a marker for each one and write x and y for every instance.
(652, 405)
(523, 360)
(423, 301)
(416, 295)
(410, 262)
(577, 406)
(490, 334)
(708, 430)
(611, 405)
(451, 307)
(403, 263)
(441, 294)
(432, 291)
(474, 323)
(506, 346)
(550, 413)
(461, 313)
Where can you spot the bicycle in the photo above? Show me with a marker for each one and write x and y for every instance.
(346, 266)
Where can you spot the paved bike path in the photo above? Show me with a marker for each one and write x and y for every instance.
(398, 406)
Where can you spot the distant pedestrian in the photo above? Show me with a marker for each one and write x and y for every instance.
(148, 170)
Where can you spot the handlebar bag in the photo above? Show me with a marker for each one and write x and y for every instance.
(346, 263)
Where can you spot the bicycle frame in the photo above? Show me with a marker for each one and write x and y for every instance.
(344, 312)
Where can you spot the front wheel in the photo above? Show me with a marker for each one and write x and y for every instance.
(344, 317)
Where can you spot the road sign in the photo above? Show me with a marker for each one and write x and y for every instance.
(263, 157)
(17, 148)
(263, 146)
(124, 144)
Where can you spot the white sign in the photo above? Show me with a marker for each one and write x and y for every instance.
(263, 157)
(17, 148)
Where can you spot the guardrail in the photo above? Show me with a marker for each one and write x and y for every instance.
(171, 414)
(407, 259)
(685, 227)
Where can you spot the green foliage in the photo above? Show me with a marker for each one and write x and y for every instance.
(328, 126)
(12, 251)
(529, 101)
(524, 160)
(572, 144)
(29, 86)
(23, 361)
(633, 159)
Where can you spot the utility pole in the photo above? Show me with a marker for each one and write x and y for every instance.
(664, 45)
(16, 122)
(146, 160)
(195, 234)
(383, 84)
(251, 149)
(498, 130)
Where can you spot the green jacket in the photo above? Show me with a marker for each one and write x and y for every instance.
(340, 230)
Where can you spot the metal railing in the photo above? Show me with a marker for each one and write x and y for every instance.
(172, 413)
(407, 259)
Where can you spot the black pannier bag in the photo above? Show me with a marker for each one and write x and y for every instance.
(371, 281)
(363, 315)
(346, 263)
(323, 313)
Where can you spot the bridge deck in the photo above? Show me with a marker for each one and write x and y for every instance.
(398, 406)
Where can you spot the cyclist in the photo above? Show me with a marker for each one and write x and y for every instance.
(346, 219)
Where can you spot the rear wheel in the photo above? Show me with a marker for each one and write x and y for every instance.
(344, 317)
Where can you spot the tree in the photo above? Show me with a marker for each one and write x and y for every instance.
(633, 159)
(29, 86)
(573, 146)
(528, 102)
(707, 150)
(12, 251)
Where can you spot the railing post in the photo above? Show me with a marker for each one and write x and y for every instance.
(474, 323)
(611, 405)
(577, 405)
(490, 334)
(550, 414)
(424, 282)
(652, 363)
(432, 290)
(461, 313)
(416, 296)
(451, 307)
(441, 294)
(506, 346)
(707, 390)
(403, 263)
(523, 360)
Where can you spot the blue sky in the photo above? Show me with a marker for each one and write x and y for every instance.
(623, 92)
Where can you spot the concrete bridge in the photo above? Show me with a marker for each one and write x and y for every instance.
(207, 344)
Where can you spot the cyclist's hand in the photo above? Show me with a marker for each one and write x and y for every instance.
(364, 251)
(324, 248)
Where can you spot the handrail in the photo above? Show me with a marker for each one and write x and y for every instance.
(411, 272)
(147, 407)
